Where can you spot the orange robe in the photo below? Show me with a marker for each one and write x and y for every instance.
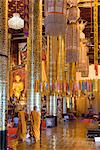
(35, 125)
(21, 132)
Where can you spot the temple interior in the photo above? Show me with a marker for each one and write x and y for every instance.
(50, 58)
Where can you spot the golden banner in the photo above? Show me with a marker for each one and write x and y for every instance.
(95, 31)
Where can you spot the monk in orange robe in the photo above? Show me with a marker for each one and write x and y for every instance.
(21, 132)
(35, 124)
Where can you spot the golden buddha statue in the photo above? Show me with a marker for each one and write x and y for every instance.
(22, 100)
(18, 86)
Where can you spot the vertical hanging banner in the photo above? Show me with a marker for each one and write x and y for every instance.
(96, 35)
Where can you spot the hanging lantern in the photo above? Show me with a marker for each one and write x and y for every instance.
(55, 21)
(16, 22)
(73, 2)
(72, 42)
(72, 33)
(73, 14)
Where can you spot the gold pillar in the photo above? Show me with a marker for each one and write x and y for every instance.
(50, 77)
(61, 61)
(34, 54)
(61, 70)
(52, 73)
(63, 58)
(55, 56)
(48, 59)
(37, 46)
(54, 61)
(72, 75)
(9, 66)
(48, 73)
(3, 71)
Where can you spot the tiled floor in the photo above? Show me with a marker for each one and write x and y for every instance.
(66, 136)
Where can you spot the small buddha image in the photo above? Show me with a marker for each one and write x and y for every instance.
(18, 86)
(22, 99)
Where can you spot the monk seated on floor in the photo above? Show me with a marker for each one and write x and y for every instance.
(94, 128)
(94, 123)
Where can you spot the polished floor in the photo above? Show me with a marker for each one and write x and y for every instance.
(66, 136)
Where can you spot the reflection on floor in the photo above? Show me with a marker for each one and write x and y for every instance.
(66, 136)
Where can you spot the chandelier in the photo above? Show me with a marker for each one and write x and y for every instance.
(16, 22)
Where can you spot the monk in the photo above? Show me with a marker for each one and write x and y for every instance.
(94, 123)
(35, 124)
(21, 132)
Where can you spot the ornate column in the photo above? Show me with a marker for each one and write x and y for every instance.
(61, 61)
(50, 77)
(53, 73)
(3, 72)
(34, 54)
(37, 46)
(60, 69)
(55, 69)
(9, 65)
(48, 73)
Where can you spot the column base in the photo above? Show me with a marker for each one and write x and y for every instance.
(3, 140)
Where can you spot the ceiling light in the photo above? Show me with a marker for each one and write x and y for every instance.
(16, 22)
